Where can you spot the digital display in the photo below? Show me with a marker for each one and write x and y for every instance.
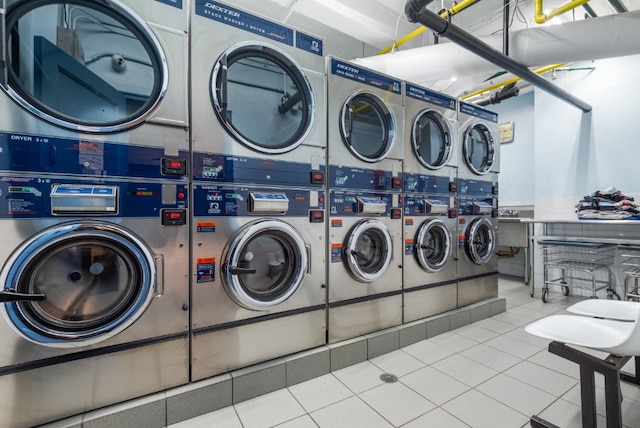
(174, 217)
(317, 177)
(316, 216)
(174, 166)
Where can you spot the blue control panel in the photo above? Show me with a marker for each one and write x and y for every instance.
(245, 170)
(31, 198)
(361, 178)
(234, 201)
(483, 193)
(51, 155)
(414, 205)
(421, 183)
(349, 203)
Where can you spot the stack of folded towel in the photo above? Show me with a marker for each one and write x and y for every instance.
(608, 204)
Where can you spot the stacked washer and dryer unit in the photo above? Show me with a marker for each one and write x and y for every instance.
(477, 204)
(430, 215)
(365, 155)
(93, 206)
(259, 160)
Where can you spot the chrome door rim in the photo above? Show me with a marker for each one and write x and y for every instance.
(423, 233)
(278, 55)
(354, 267)
(489, 140)
(233, 251)
(472, 231)
(32, 249)
(446, 136)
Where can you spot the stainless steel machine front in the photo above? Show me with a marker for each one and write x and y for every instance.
(259, 288)
(94, 300)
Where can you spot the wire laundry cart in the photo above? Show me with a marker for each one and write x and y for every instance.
(630, 259)
(578, 264)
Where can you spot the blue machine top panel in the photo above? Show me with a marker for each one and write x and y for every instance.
(52, 155)
(233, 201)
(430, 97)
(30, 197)
(236, 169)
(254, 24)
(421, 183)
(174, 3)
(363, 75)
(360, 178)
(478, 112)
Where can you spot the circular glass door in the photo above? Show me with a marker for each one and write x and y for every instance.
(90, 66)
(367, 127)
(478, 148)
(432, 245)
(480, 241)
(78, 282)
(431, 139)
(265, 264)
(262, 98)
(368, 250)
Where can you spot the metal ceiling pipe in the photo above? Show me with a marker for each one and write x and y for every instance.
(603, 37)
(505, 27)
(416, 12)
(617, 6)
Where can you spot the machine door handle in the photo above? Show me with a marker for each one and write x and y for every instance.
(223, 88)
(10, 295)
(234, 270)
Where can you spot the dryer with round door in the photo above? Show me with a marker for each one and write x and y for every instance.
(431, 131)
(477, 240)
(94, 88)
(94, 297)
(259, 290)
(430, 248)
(365, 128)
(258, 99)
(479, 141)
(365, 256)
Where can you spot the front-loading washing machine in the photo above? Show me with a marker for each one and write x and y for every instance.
(95, 294)
(365, 119)
(429, 190)
(365, 257)
(92, 85)
(258, 99)
(477, 203)
(259, 290)
(479, 141)
(430, 246)
(477, 239)
(430, 129)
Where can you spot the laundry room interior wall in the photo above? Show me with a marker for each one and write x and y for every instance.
(574, 153)
(517, 171)
(577, 153)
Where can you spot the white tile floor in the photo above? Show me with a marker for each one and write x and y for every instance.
(490, 374)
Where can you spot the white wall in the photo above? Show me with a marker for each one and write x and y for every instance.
(560, 154)
(577, 153)
(517, 170)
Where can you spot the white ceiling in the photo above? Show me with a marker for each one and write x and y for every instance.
(379, 23)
